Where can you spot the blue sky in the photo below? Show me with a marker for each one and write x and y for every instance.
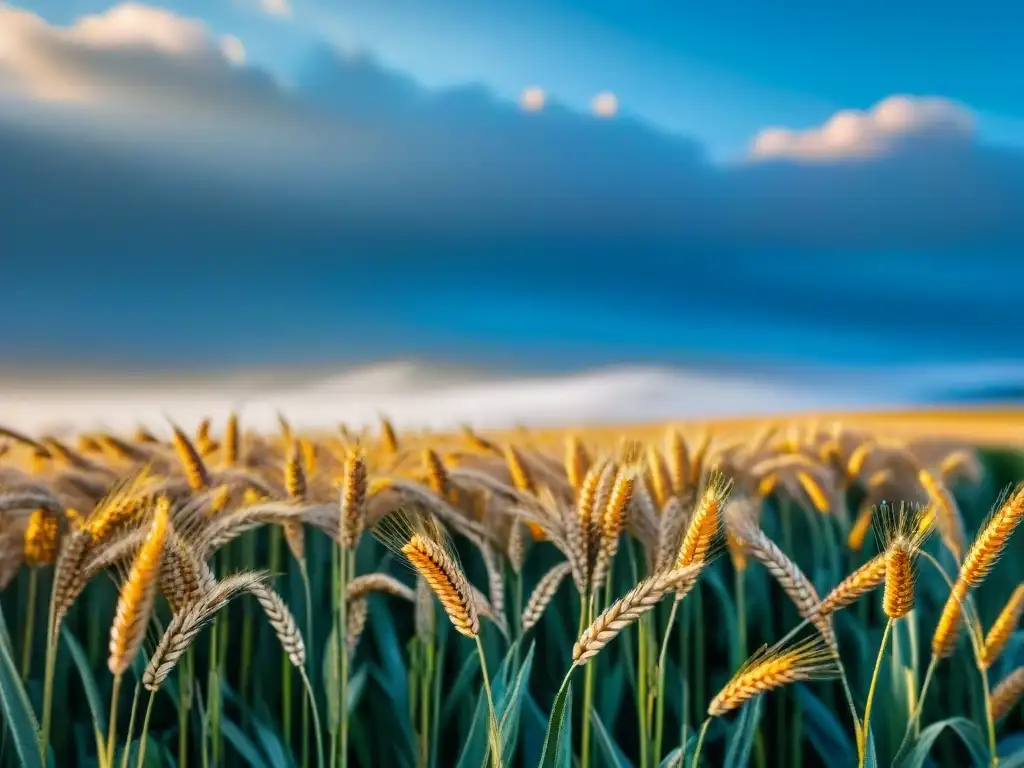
(376, 143)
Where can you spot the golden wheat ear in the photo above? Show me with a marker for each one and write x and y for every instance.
(1007, 694)
(135, 603)
(353, 495)
(1003, 627)
(420, 541)
(706, 523)
(190, 459)
(772, 668)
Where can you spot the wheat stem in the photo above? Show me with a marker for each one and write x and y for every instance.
(304, 574)
(112, 726)
(48, 674)
(316, 718)
(659, 711)
(131, 727)
(495, 735)
(700, 743)
(588, 687)
(865, 728)
(141, 761)
(30, 621)
(642, 686)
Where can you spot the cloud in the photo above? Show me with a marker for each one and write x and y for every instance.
(605, 104)
(356, 153)
(895, 123)
(135, 60)
(281, 8)
(532, 99)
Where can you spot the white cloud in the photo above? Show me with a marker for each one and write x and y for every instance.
(605, 104)
(533, 99)
(282, 8)
(129, 55)
(232, 49)
(878, 131)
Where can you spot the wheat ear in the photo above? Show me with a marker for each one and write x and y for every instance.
(191, 462)
(981, 558)
(135, 602)
(185, 626)
(446, 581)
(768, 670)
(353, 498)
(543, 594)
(867, 577)
(705, 524)
(1003, 627)
(361, 586)
(281, 620)
(1007, 694)
(787, 573)
(611, 525)
(629, 608)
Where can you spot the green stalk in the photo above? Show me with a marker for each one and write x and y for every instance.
(48, 674)
(700, 743)
(659, 709)
(862, 735)
(785, 510)
(740, 588)
(248, 625)
(348, 571)
(131, 728)
(495, 734)
(336, 630)
(426, 693)
(145, 732)
(213, 692)
(588, 693)
(316, 718)
(186, 679)
(684, 665)
(304, 574)
(30, 623)
(641, 694)
(112, 727)
(517, 601)
(698, 656)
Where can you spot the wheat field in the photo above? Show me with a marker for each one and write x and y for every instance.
(837, 591)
